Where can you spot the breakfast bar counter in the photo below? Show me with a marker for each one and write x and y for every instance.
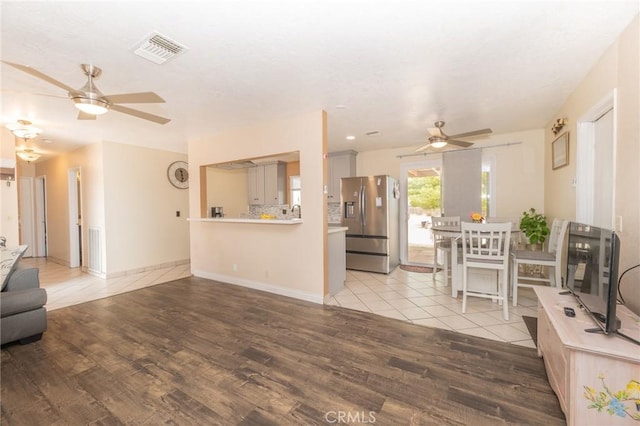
(247, 220)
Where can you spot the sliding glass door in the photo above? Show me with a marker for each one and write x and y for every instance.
(422, 199)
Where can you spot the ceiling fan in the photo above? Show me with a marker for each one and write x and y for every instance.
(439, 139)
(91, 102)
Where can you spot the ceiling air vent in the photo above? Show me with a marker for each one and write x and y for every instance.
(159, 49)
(373, 133)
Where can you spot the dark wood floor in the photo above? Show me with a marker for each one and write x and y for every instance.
(194, 351)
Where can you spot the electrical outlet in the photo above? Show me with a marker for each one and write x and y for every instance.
(235, 267)
(177, 213)
(619, 223)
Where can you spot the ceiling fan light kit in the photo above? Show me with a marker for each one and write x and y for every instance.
(439, 139)
(91, 101)
(437, 142)
(90, 105)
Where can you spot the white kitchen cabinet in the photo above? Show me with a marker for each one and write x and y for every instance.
(266, 183)
(255, 185)
(275, 182)
(337, 259)
(341, 164)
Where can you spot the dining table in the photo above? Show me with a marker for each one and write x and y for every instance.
(455, 234)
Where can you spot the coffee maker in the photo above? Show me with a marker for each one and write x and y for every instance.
(216, 212)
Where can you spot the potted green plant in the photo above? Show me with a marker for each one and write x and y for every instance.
(534, 226)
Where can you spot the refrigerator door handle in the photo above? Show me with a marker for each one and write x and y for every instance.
(362, 206)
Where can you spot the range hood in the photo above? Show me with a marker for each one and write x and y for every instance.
(233, 165)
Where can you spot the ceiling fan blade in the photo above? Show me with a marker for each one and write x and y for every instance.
(40, 75)
(140, 114)
(470, 134)
(21, 93)
(85, 116)
(135, 98)
(435, 131)
(462, 144)
(423, 147)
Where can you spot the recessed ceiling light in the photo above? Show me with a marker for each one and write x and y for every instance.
(340, 106)
(350, 138)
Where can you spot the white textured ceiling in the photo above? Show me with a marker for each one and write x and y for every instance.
(396, 66)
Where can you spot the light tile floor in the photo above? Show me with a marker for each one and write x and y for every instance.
(70, 286)
(408, 296)
(415, 297)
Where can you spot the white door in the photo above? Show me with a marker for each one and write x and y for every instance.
(603, 199)
(27, 217)
(41, 217)
(75, 218)
(595, 165)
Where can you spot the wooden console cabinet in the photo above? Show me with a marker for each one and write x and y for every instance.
(586, 369)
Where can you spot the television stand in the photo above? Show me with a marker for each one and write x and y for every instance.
(602, 319)
(577, 361)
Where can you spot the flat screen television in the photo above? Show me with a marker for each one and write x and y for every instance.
(592, 273)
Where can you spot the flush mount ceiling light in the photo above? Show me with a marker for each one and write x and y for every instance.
(28, 155)
(23, 129)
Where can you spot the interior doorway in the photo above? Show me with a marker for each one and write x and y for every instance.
(595, 165)
(41, 216)
(75, 217)
(423, 199)
(27, 220)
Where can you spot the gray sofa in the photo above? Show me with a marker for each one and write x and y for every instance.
(23, 317)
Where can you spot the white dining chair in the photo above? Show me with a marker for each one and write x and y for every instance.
(442, 245)
(486, 246)
(551, 259)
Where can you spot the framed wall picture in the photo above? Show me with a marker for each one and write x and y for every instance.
(560, 151)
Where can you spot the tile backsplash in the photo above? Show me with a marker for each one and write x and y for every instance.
(276, 210)
(333, 212)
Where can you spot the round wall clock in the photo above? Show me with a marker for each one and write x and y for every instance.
(178, 174)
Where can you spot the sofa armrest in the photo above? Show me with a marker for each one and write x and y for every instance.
(23, 278)
(17, 301)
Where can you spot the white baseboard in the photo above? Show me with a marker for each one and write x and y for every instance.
(257, 285)
(86, 270)
(144, 269)
(58, 261)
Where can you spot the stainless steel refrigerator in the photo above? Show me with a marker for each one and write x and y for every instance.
(369, 209)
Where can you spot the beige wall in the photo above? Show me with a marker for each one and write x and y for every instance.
(618, 69)
(227, 189)
(8, 194)
(55, 170)
(127, 197)
(142, 230)
(285, 259)
(519, 168)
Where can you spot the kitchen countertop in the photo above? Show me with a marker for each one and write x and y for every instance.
(334, 229)
(247, 220)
